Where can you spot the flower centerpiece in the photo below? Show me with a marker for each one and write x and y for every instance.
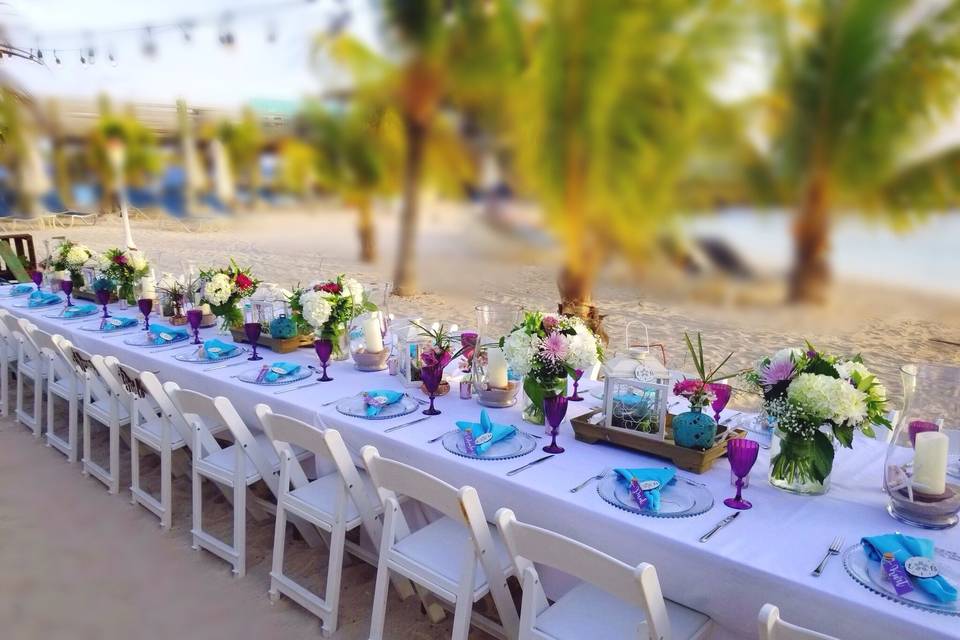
(174, 293)
(326, 309)
(545, 349)
(694, 429)
(125, 268)
(815, 400)
(224, 288)
(71, 257)
(434, 359)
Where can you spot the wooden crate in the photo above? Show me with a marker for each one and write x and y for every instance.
(277, 345)
(687, 459)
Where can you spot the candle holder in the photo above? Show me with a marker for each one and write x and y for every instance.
(366, 342)
(490, 373)
(920, 491)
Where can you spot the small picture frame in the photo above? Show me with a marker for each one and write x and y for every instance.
(636, 406)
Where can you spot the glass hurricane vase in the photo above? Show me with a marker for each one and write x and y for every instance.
(534, 392)
(795, 464)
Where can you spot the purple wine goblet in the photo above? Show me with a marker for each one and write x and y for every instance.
(324, 348)
(103, 299)
(721, 393)
(742, 454)
(67, 287)
(431, 375)
(37, 278)
(554, 410)
(195, 317)
(252, 331)
(576, 397)
(146, 306)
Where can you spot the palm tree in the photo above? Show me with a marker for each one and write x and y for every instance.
(243, 141)
(604, 119)
(358, 157)
(858, 95)
(141, 158)
(450, 53)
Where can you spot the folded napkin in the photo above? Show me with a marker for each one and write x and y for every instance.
(480, 431)
(903, 548)
(377, 399)
(661, 475)
(279, 370)
(216, 349)
(20, 289)
(79, 310)
(161, 333)
(117, 322)
(42, 299)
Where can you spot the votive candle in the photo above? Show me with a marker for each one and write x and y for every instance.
(372, 337)
(930, 461)
(496, 369)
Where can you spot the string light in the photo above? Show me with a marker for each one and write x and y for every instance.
(55, 56)
(149, 46)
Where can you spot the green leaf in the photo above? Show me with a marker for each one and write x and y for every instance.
(844, 435)
(822, 457)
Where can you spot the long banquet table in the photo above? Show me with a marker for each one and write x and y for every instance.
(766, 555)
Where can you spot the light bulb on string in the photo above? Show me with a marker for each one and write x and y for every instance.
(82, 59)
(226, 33)
(271, 33)
(91, 55)
(149, 46)
(111, 57)
(56, 57)
(185, 28)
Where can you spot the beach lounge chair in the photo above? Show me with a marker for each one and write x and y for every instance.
(64, 216)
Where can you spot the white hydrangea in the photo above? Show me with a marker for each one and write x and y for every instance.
(78, 255)
(828, 398)
(354, 289)
(582, 346)
(219, 289)
(519, 349)
(138, 262)
(104, 262)
(847, 369)
(316, 308)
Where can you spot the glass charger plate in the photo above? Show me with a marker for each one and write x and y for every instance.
(869, 575)
(251, 375)
(681, 498)
(61, 316)
(97, 328)
(145, 341)
(37, 308)
(11, 294)
(355, 408)
(193, 356)
(519, 445)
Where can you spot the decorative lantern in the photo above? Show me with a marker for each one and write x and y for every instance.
(921, 474)
(409, 345)
(631, 403)
(268, 302)
(491, 376)
(367, 347)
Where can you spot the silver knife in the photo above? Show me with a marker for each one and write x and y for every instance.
(406, 424)
(720, 525)
(225, 366)
(303, 386)
(514, 472)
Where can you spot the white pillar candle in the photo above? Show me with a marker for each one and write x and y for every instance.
(372, 337)
(930, 461)
(496, 368)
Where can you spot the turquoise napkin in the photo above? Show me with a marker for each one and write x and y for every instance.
(216, 349)
(20, 289)
(79, 310)
(169, 334)
(663, 475)
(117, 322)
(498, 431)
(377, 399)
(903, 548)
(274, 373)
(41, 299)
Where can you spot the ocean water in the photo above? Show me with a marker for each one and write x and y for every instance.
(924, 258)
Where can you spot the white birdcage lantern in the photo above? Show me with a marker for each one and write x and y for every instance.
(409, 345)
(636, 388)
(268, 302)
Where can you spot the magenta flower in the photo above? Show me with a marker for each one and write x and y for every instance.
(555, 348)
(776, 372)
(688, 387)
(549, 323)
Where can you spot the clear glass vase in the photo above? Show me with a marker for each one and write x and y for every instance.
(533, 395)
(792, 466)
(489, 370)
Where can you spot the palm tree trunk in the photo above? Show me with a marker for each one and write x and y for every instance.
(365, 229)
(810, 277)
(404, 281)
(576, 298)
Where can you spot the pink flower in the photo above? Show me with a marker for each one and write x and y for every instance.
(555, 348)
(776, 372)
(436, 357)
(549, 323)
(688, 388)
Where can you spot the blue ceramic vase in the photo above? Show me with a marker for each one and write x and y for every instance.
(694, 430)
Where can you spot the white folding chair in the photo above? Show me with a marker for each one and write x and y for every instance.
(32, 367)
(64, 381)
(621, 601)
(237, 466)
(336, 502)
(773, 628)
(9, 348)
(459, 557)
(104, 401)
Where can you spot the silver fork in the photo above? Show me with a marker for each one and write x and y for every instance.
(589, 480)
(832, 551)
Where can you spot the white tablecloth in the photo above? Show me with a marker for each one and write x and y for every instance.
(766, 555)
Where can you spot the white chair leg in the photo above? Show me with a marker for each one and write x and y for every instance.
(134, 467)
(72, 429)
(464, 606)
(197, 518)
(279, 546)
(334, 574)
(4, 389)
(166, 490)
(50, 403)
(378, 615)
(38, 407)
(240, 529)
(115, 457)
(19, 396)
(86, 444)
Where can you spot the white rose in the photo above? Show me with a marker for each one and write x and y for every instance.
(138, 262)
(316, 308)
(354, 289)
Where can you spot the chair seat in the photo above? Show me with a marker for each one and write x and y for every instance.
(220, 465)
(100, 410)
(29, 368)
(61, 387)
(320, 496)
(264, 441)
(438, 550)
(610, 617)
(150, 433)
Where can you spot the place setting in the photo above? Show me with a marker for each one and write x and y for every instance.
(112, 325)
(276, 374)
(74, 312)
(211, 351)
(486, 440)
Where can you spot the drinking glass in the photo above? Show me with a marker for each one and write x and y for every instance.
(37, 277)
(252, 331)
(721, 392)
(576, 397)
(324, 347)
(67, 287)
(146, 306)
(195, 317)
(742, 454)
(103, 298)
(554, 409)
(431, 377)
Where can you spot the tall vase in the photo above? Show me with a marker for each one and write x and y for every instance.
(341, 346)
(794, 465)
(126, 295)
(534, 393)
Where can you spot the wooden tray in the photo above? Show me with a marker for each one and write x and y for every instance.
(277, 345)
(85, 294)
(687, 459)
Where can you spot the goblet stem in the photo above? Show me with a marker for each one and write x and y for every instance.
(146, 323)
(325, 377)
(576, 397)
(196, 336)
(431, 410)
(739, 496)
